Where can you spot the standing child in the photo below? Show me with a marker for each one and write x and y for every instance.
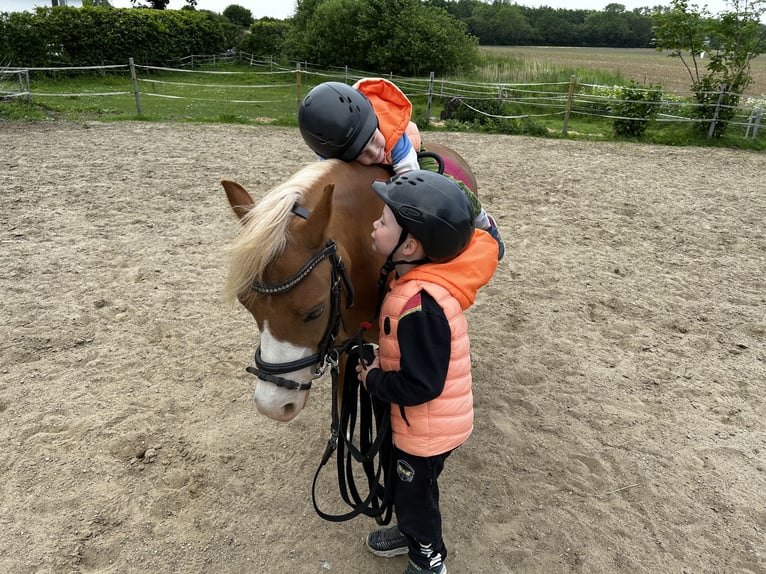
(423, 365)
(370, 122)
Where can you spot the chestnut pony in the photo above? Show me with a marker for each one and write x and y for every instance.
(304, 267)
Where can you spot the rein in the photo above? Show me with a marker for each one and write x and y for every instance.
(358, 405)
(374, 441)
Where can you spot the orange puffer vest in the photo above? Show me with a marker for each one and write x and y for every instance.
(445, 422)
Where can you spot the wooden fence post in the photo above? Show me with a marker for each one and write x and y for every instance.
(715, 114)
(570, 97)
(136, 93)
(430, 96)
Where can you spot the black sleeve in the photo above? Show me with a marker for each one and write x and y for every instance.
(424, 341)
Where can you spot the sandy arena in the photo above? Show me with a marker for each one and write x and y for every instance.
(619, 363)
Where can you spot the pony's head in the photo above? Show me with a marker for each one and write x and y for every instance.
(282, 267)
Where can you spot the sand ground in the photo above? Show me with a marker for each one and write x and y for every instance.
(619, 363)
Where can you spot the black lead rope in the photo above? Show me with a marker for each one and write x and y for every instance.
(374, 450)
(374, 434)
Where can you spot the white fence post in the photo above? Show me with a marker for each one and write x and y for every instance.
(757, 123)
(430, 96)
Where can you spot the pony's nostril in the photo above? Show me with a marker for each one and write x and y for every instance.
(289, 410)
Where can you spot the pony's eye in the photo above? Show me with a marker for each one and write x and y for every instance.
(314, 314)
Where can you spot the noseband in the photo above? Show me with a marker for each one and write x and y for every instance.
(326, 354)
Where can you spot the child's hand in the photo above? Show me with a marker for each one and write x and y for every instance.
(368, 359)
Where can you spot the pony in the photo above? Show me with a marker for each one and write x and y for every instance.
(303, 265)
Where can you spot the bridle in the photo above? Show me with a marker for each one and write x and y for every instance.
(327, 355)
(372, 427)
(373, 416)
(374, 420)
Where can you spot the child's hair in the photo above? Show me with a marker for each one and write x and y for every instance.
(337, 121)
(431, 207)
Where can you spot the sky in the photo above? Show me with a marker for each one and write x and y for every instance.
(259, 8)
(286, 8)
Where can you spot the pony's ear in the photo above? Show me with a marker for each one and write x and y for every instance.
(315, 226)
(239, 200)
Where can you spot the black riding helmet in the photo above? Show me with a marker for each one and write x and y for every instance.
(336, 120)
(433, 208)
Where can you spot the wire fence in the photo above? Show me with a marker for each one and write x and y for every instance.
(267, 84)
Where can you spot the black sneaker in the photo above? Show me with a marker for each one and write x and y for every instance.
(387, 542)
(495, 233)
(413, 568)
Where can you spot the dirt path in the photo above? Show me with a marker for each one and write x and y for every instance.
(619, 363)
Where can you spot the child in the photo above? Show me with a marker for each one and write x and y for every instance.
(423, 365)
(370, 123)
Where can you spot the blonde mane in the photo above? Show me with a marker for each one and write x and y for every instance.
(264, 232)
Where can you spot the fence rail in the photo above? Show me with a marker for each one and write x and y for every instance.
(567, 100)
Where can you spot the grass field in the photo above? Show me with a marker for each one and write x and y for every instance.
(255, 96)
(643, 65)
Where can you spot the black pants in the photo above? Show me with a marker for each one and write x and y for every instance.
(416, 501)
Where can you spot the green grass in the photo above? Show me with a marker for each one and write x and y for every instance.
(165, 96)
(258, 98)
(500, 65)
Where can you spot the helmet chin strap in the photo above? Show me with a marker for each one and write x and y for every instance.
(390, 263)
(387, 267)
(416, 262)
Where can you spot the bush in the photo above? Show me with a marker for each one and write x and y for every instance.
(93, 36)
(472, 110)
(266, 37)
(717, 103)
(602, 99)
(636, 107)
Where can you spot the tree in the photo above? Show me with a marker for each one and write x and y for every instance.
(608, 28)
(400, 36)
(731, 41)
(442, 44)
(557, 27)
(239, 15)
(266, 37)
(500, 24)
